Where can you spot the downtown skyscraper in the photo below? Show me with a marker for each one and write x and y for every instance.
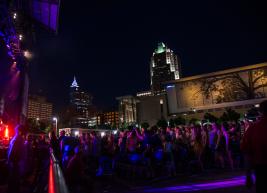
(80, 101)
(164, 66)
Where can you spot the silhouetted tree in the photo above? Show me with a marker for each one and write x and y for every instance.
(171, 123)
(230, 115)
(145, 125)
(193, 121)
(162, 123)
(179, 121)
(211, 118)
(236, 87)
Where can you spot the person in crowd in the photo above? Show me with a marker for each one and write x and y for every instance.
(169, 158)
(198, 145)
(122, 143)
(60, 140)
(75, 171)
(14, 159)
(54, 143)
(221, 147)
(254, 145)
(131, 143)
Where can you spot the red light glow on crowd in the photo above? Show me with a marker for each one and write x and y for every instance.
(6, 132)
(51, 178)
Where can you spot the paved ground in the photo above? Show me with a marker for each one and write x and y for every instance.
(208, 182)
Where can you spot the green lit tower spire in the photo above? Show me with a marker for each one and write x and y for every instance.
(164, 66)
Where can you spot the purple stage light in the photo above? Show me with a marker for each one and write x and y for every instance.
(238, 181)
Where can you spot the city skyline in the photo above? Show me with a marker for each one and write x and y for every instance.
(111, 55)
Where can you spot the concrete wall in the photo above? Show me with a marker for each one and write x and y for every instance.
(149, 109)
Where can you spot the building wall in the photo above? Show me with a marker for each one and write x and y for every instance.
(112, 118)
(230, 88)
(149, 109)
(39, 108)
(127, 110)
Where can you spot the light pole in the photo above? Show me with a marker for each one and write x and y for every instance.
(55, 119)
(161, 108)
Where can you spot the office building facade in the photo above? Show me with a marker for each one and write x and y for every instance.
(164, 66)
(127, 110)
(81, 101)
(39, 108)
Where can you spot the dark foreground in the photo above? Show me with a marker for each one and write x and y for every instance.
(213, 181)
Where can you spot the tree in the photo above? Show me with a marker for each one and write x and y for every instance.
(253, 112)
(236, 86)
(31, 124)
(145, 125)
(193, 120)
(171, 123)
(162, 123)
(179, 121)
(230, 115)
(211, 118)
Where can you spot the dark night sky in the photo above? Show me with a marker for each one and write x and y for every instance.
(108, 44)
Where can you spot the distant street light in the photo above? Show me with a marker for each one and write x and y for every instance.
(161, 108)
(28, 54)
(55, 119)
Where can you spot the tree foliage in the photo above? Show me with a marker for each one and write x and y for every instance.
(172, 123)
(230, 115)
(253, 112)
(193, 121)
(179, 121)
(145, 125)
(235, 86)
(211, 118)
(162, 123)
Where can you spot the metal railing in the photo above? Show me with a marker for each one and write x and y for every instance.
(57, 183)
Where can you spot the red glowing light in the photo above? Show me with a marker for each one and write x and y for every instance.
(6, 132)
(51, 186)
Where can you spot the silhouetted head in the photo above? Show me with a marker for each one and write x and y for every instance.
(62, 133)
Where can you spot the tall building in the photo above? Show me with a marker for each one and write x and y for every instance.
(81, 101)
(164, 66)
(39, 108)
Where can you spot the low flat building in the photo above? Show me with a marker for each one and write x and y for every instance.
(237, 88)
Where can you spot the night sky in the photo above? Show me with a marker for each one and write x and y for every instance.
(107, 44)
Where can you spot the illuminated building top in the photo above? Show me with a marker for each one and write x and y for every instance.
(161, 48)
(74, 83)
(165, 66)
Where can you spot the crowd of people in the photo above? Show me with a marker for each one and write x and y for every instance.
(163, 151)
(27, 159)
